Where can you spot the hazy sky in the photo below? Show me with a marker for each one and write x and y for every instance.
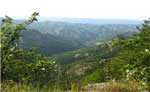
(120, 9)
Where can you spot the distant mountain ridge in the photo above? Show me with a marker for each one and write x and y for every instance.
(83, 32)
(89, 20)
(92, 20)
(55, 37)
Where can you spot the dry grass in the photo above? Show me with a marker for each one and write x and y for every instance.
(130, 86)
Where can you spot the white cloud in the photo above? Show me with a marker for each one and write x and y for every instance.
(128, 9)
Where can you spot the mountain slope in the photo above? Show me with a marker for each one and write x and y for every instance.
(80, 64)
(86, 65)
(57, 37)
(48, 44)
(86, 33)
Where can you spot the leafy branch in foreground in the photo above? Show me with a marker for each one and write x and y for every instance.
(133, 62)
(20, 65)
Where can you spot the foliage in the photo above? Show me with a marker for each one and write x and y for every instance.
(133, 62)
(85, 65)
(19, 65)
(94, 77)
(88, 65)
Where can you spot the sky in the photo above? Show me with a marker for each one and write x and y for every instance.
(102, 9)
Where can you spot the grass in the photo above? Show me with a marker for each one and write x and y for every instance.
(122, 86)
(130, 86)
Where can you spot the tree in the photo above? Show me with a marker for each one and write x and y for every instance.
(133, 62)
(17, 64)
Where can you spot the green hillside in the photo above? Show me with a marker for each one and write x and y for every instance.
(79, 65)
(120, 64)
(48, 44)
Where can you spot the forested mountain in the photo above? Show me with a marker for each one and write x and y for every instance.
(85, 32)
(89, 58)
(48, 44)
(57, 37)
(111, 60)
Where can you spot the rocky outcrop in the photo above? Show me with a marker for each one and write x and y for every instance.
(95, 86)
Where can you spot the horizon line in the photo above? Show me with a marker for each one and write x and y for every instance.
(94, 18)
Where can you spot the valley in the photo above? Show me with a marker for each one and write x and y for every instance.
(65, 56)
(72, 36)
(82, 51)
